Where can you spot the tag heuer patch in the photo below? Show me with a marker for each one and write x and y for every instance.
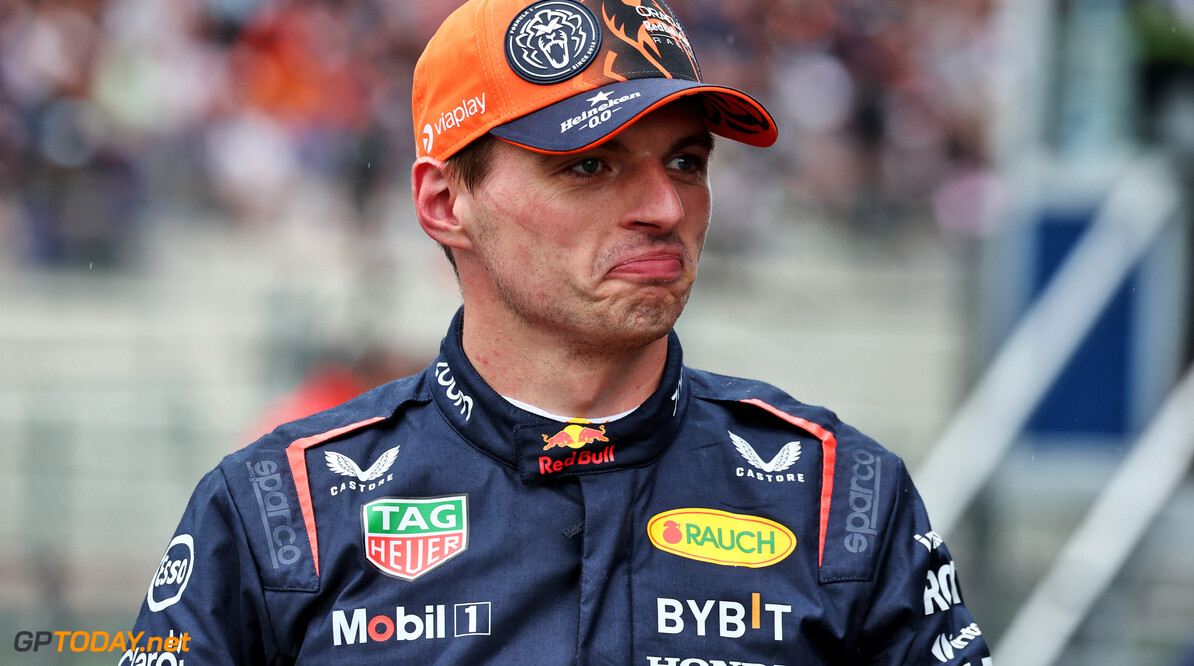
(406, 538)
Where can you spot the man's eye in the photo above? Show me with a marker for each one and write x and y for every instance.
(587, 167)
(685, 163)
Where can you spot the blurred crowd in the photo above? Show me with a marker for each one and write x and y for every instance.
(113, 110)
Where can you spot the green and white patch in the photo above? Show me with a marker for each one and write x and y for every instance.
(406, 538)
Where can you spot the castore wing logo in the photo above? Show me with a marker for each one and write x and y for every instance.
(343, 465)
(782, 460)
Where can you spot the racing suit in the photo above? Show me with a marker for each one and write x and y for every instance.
(432, 521)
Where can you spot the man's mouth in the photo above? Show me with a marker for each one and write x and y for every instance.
(656, 266)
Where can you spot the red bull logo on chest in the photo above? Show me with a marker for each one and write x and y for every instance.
(576, 434)
(549, 465)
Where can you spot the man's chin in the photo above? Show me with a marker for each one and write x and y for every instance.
(641, 322)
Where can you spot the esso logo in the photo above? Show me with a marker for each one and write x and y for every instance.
(173, 574)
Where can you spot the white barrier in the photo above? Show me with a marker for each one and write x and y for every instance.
(991, 419)
(1098, 548)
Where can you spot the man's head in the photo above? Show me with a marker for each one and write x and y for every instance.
(563, 151)
(563, 75)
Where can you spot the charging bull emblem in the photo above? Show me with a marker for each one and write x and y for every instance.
(575, 435)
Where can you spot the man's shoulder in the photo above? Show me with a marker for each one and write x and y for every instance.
(282, 451)
(376, 405)
(860, 480)
(268, 482)
(766, 398)
(714, 387)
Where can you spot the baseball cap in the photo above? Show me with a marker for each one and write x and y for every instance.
(560, 76)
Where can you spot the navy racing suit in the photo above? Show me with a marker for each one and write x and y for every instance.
(432, 521)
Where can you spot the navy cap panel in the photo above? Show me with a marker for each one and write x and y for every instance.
(589, 117)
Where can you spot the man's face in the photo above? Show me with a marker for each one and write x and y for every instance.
(598, 247)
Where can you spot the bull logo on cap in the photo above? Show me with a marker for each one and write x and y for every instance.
(551, 41)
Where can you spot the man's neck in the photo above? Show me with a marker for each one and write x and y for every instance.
(559, 376)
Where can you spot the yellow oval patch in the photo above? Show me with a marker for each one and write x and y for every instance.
(720, 537)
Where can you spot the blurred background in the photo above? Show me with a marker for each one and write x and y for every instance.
(972, 241)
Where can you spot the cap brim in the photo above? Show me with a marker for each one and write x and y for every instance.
(591, 117)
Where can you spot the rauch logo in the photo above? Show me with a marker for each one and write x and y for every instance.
(720, 537)
(406, 538)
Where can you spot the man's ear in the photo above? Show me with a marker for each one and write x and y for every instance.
(435, 196)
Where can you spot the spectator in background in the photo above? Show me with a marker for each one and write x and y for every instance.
(243, 104)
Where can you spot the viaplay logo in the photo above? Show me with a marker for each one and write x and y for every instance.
(173, 574)
(467, 108)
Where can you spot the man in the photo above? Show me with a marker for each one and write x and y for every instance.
(557, 487)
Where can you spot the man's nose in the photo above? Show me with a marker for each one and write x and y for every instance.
(653, 200)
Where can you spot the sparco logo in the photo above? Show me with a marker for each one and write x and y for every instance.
(366, 480)
(551, 41)
(173, 574)
(274, 508)
(944, 646)
(862, 523)
(443, 374)
(693, 661)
